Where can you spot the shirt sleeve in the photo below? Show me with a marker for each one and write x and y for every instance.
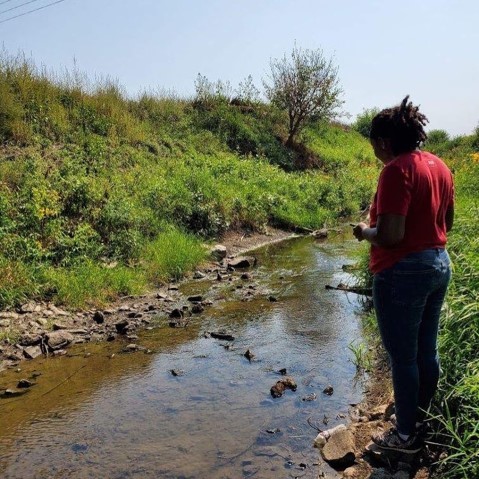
(394, 191)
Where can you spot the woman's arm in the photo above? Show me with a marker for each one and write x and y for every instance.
(389, 231)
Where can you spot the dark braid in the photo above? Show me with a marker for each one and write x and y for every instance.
(403, 125)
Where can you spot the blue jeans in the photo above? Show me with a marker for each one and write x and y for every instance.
(408, 298)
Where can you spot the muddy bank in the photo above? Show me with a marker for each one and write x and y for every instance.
(41, 328)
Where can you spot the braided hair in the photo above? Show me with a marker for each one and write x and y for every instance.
(403, 125)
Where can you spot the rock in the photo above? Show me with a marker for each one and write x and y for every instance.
(99, 317)
(29, 339)
(57, 311)
(179, 323)
(108, 312)
(32, 352)
(197, 309)
(41, 321)
(329, 390)
(131, 348)
(15, 392)
(59, 339)
(283, 371)
(58, 326)
(4, 323)
(248, 355)
(8, 315)
(351, 472)
(27, 308)
(173, 287)
(219, 252)
(339, 450)
(242, 262)
(322, 233)
(199, 275)
(221, 335)
(122, 326)
(219, 277)
(380, 474)
(195, 298)
(176, 314)
(273, 299)
(24, 383)
(124, 308)
(245, 276)
(377, 413)
(177, 372)
(309, 397)
(286, 383)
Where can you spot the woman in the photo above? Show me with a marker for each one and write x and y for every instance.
(412, 210)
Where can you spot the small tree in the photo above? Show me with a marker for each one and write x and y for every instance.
(306, 85)
(363, 121)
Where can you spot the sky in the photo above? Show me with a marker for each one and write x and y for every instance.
(384, 50)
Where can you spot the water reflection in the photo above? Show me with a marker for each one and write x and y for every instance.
(127, 416)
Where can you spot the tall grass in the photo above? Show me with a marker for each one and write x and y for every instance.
(90, 176)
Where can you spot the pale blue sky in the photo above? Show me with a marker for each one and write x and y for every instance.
(384, 49)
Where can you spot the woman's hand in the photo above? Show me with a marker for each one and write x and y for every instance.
(358, 231)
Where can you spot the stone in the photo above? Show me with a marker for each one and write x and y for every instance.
(41, 321)
(195, 298)
(221, 335)
(248, 355)
(4, 323)
(176, 314)
(380, 473)
(350, 472)
(377, 413)
(32, 352)
(199, 275)
(322, 233)
(328, 390)
(197, 309)
(27, 308)
(286, 383)
(24, 383)
(58, 326)
(57, 311)
(59, 339)
(8, 315)
(99, 317)
(219, 277)
(339, 450)
(177, 372)
(219, 252)
(15, 392)
(30, 339)
(242, 262)
(121, 326)
(272, 299)
(245, 276)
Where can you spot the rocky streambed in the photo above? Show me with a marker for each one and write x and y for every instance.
(231, 374)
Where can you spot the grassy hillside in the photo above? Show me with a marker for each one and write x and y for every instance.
(102, 195)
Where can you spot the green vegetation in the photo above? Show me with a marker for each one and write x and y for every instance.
(103, 195)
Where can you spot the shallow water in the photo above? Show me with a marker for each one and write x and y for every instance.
(126, 416)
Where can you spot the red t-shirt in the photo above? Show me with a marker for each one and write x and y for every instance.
(419, 186)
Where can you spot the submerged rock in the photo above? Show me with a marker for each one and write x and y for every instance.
(242, 262)
(287, 383)
(221, 335)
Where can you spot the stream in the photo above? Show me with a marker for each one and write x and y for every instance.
(98, 413)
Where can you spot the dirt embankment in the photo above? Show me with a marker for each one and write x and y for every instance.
(37, 328)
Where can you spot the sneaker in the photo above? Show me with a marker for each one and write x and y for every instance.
(422, 430)
(391, 441)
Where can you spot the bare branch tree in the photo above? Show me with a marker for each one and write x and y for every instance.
(306, 85)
